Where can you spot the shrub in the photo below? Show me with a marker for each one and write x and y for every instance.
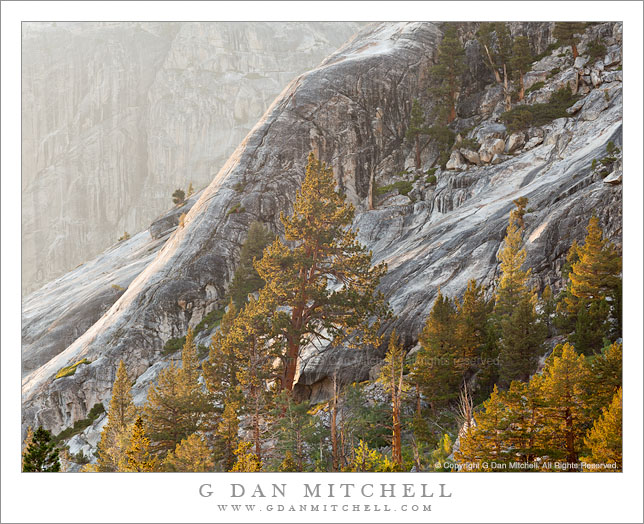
(178, 197)
(97, 410)
(403, 187)
(534, 87)
(431, 171)
(595, 50)
(469, 143)
(68, 371)
(237, 208)
(172, 345)
(548, 51)
(118, 288)
(522, 117)
(611, 148)
(126, 236)
(431, 179)
(593, 165)
(182, 220)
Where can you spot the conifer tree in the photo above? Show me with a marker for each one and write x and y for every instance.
(190, 191)
(176, 405)
(324, 252)
(191, 454)
(604, 440)
(434, 369)
(594, 284)
(294, 427)
(446, 75)
(289, 464)
(521, 334)
(561, 389)
(251, 339)
(247, 461)
(227, 440)
(602, 380)
(471, 327)
(417, 127)
(483, 442)
(391, 377)
(521, 61)
(566, 34)
(178, 197)
(139, 454)
(246, 280)
(121, 414)
(41, 454)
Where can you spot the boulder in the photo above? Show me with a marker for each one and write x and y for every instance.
(456, 162)
(576, 106)
(580, 62)
(595, 77)
(489, 130)
(515, 141)
(599, 65)
(613, 58)
(533, 142)
(471, 156)
(615, 178)
(491, 147)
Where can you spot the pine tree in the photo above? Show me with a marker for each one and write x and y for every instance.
(176, 405)
(178, 197)
(289, 464)
(561, 388)
(521, 334)
(521, 61)
(483, 442)
(595, 283)
(191, 454)
(324, 251)
(252, 343)
(246, 280)
(434, 369)
(227, 440)
(565, 33)
(604, 440)
(294, 427)
(496, 43)
(121, 414)
(446, 75)
(139, 454)
(471, 328)
(190, 191)
(247, 461)
(417, 127)
(602, 380)
(41, 454)
(391, 377)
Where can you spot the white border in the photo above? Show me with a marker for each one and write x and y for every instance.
(477, 497)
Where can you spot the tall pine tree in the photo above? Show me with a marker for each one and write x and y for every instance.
(41, 454)
(325, 278)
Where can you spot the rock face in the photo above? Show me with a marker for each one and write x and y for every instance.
(116, 116)
(352, 111)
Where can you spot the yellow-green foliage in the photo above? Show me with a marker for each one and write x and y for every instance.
(68, 371)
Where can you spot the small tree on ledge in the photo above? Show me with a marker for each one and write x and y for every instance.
(178, 197)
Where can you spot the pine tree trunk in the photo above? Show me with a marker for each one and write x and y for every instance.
(256, 430)
(506, 89)
(494, 69)
(521, 87)
(334, 431)
(417, 152)
(571, 455)
(291, 366)
(575, 53)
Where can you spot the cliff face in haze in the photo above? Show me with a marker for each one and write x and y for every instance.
(353, 111)
(116, 116)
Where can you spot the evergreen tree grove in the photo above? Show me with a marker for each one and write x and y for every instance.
(446, 74)
(324, 252)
